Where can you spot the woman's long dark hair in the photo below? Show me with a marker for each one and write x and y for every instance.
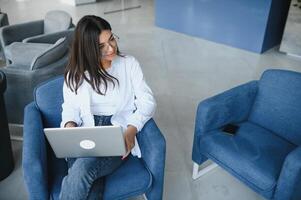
(85, 55)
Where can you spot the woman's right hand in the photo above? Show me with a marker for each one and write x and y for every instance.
(70, 124)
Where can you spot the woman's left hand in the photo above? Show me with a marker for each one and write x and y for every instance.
(129, 137)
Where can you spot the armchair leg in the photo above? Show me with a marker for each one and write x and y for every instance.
(196, 173)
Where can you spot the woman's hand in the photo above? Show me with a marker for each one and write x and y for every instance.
(129, 137)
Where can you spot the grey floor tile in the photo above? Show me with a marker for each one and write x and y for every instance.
(181, 70)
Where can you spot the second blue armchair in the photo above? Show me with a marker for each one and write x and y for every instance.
(265, 153)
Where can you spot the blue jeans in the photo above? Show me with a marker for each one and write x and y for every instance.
(85, 178)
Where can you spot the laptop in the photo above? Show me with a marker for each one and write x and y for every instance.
(77, 142)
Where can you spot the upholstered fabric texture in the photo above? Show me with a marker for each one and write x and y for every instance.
(21, 81)
(20, 53)
(33, 63)
(277, 106)
(57, 20)
(51, 54)
(134, 177)
(56, 24)
(6, 155)
(265, 151)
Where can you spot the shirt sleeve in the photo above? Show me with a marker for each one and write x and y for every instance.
(71, 110)
(144, 100)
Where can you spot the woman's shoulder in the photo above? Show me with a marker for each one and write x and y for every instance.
(125, 62)
(127, 58)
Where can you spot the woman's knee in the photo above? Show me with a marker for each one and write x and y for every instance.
(94, 167)
(84, 167)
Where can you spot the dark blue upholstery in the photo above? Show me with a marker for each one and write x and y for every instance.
(265, 152)
(43, 172)
(278, 104)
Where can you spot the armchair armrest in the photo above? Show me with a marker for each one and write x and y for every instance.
(50, 38)
(289, 182)
(34, 154)
(17, 32)
(153, 148)
(232, 105)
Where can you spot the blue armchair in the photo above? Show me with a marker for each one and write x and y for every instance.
(43, 172)
(265, 153)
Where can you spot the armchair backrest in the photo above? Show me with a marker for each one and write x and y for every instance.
(17, 32)
(57, 20)
(49, 98)
(277, 106)
(3, 19)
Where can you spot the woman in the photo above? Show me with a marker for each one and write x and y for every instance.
(102, 87)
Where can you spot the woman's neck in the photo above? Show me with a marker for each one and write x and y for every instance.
(106, 64)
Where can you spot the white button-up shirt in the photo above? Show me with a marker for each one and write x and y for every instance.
(131, 102)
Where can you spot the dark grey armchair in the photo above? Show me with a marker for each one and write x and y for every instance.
(3, 19)
(28, 69)
(56, 24)
(3, 22)
(6, 155)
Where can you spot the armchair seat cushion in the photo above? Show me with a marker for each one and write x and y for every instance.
(121, 188)
(36, 55)
(254, 155)
(23, 53)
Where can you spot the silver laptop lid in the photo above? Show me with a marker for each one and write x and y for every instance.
(96, 141)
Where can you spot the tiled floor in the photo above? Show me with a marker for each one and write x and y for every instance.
(182, 70)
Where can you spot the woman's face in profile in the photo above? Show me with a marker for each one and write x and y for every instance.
(107, 45)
